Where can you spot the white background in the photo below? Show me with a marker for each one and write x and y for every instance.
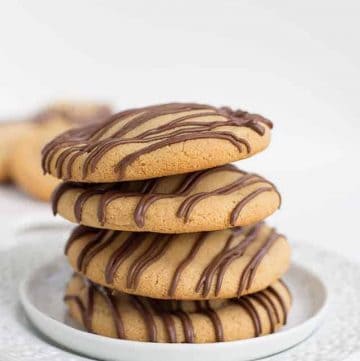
(297, 63)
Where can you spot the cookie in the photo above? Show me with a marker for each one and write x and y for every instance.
(207, 200)
(205, 265)
(10, 132)
(123, 316)
(25, 160)
(72, 113)
(156, 141)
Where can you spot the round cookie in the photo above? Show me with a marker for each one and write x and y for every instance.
(123, 316)
(189, 266)
(156, 141)
(213, 199)
(10, 132)
(25, 160)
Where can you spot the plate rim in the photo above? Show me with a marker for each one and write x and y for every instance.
(312, 322)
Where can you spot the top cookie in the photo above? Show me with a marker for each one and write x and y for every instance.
(156, 141)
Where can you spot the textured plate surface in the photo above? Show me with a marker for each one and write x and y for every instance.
(42, 291)
(336, 339)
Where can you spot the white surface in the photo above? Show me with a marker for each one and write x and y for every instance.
(335, 340)
(296, 62)
(42, 291)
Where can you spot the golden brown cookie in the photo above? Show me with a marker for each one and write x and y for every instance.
(119, 315)
(25, 160)
(207, 200)
(191, 266)
(10, 132)
(156, 141)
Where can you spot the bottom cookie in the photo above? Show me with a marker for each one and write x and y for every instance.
(109, 313)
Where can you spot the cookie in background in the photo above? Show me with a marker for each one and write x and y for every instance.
(10, 132)
(24, 160)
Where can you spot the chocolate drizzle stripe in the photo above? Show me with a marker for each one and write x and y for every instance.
(147, 317)
(142, 115)
(80, 305)
(221, 262)
(185, 262)
(58, 192)
(188, 184)
(286, 288)
(176, 122)
(166, 317)
(98, 132)
(208, 273)
(120, 254)
(145, 202)
(252, 312)
(147, 194)
(275, 293)
(170, 326)
(96, 140)
(215, 319)
(249, 271)
(188, 204)
(272, 304)
(105, 199)
(89, 311)
(239, 207)
(237, 253)
(96, 246)
(77, 233)
(118, 324)
(87, 248)
(187, 326)
(156, 249)
(60, 160)
(130, 158)
(80, 201)
(269, 310)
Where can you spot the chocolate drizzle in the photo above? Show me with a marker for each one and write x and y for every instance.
(95, 140)
(273, 291)
(89, 310)
(78, 232)
(185, 262)
(147, 193)
(80, 305)
(235, 247)
(147, 317)
(215, 319)
(155, 250)
(251, 310)
(221, 262)
(267, 303)
(248, 274)
(120, 254)
(169, 311)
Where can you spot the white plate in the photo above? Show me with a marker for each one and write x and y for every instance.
(42, 292)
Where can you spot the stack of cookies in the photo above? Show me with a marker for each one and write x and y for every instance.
(171, 245)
